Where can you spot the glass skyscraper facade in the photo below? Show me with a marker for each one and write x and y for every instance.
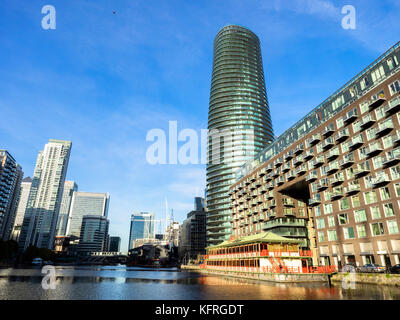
(69, 188)
(238, 111)
(142, 227)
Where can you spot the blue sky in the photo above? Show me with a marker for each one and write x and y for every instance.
(104, 80)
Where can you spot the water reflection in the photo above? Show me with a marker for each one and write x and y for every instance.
(76, 283)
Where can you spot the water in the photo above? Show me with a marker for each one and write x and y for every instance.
(131, 283)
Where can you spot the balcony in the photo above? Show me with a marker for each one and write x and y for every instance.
(374, 149)
(336, 181)
(314, 202)
(253, 178)
(247, 182)
(391, 159)
(291, 175)
(288, 202)
(269, 195)
(350, 117)
(342, 136)
(380, 180)
(375, 103)
(352, 189)
(327, 144)
(262, 172)
(252, 186)
(333, 154)
(328, 131)
(318, 161)
(346, 162)
(289, 156)
(361, 171)
(298, 160)
(393, 106)
(315, 139)
(269, 168)
(367, 121)
(299, 149)
(336, 194)
(275, 174)
(268, 178)
(309, 154)
(271, 214)
(311, 177)
(396, 138)
(271, 185)
(289, 212)
(286, 167)
(384, 128)
(264, 207)
(272, 203)
(258, 183)
(240, 187)
(323, 185)
(278, 162)
(261, 218)
(332, 167)
(301, 170)
(263, 189)
(356, 142)
(280, 181)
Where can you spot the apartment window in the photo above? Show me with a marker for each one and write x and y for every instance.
(387, 142)
(393, 227)
(371, 133)
(394, 87)
(370, 197)
(377, 229)
(343, 218)
(344, 204)
(395, 171)
(385, 193)
(360, 215)
(331, 221)
(320, 223)
(375, 212)
(348, 233)
(380, 113)
(356, 201)
(345, 147)
(328, 209)
(302, 212)
(350, 173)
(339, 123)
(317, 211)
(321, 236)
(361, 231)
(388, 209)
(377, 161)
(338, 103)
(364, 83)
(392, 62)
(356, 126)
(362, 152)
(332, 236)
(397, 188)
(364, 107)
(377, 74)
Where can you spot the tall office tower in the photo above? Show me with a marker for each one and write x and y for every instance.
(22, 203)
(199, 204)
(142, 227)
(39, 224)
(85, 203)
(69, 188)
(10, 182)
(239, 121)
(93, 234)
(114, 244)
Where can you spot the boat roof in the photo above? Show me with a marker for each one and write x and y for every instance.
(265, 237)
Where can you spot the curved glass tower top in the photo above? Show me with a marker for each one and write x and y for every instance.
(239, 105)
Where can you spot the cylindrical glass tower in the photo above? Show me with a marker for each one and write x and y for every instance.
(238, 104)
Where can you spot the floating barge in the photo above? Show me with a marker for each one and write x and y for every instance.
(264, 256)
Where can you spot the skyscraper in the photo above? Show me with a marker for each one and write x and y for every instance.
(22, 203)
(10, 182)
(142, 227)
(69, 188)
(114, 244)
(239, 107)
(86, 203)
(39, 224)
(93, 234)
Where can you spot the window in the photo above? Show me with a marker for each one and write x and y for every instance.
(370, 197)
(364, 83)
(348, 233)
(397, 188)
(377, 229)
(360, 215)
(356, 201)
(344, 204)
(377, 161)
(388, 209)
(332, 236)
(377, 74)
(387, 142)
(362, 153)
(364, 107)
(356, 126)
(361, 231)
(328, 208)
(385, 193)
(317, 211)
(331, 221)
(321, 236)
(392, 62)
(339, 123)
(394, 87)
(338, 102)
(380, 113)
(395, 171)
(393, 226)
(320, 223)
(343, 218)
(375, 212)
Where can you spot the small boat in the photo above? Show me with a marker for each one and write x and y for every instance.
(37, 261)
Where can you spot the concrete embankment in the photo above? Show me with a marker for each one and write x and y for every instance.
(369, 278)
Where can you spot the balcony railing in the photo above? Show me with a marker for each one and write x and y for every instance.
(356, 142)
(298, 160)
(327, 144)
(335, 181)
(374, 149)
(287, 202)
(384, 128)
(375, 103)
(289, 156)
(367, 121)
(309, 154)
(352, 189)
(347, 161)
(286, 167)
(312, 176)
(393, 106)
(337, 193)
(333, 167)
(350, 117)
(318, 161)
(342, 136)
(299, 149)
(301, 170)
(361, 170)
(315, 139)
(392, 158)
(380, 180)
(329, 130)
(333, 154)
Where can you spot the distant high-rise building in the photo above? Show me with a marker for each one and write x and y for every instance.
(40, 220)
(142, 227)
(94, 234)
(239, 111)
(69, 188)
(22, 203)
(114, 244)
(192, 233)
(199, 204)
(85, 203)
(10, 182)
(172, 234)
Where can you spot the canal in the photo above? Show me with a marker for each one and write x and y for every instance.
(130, 283)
